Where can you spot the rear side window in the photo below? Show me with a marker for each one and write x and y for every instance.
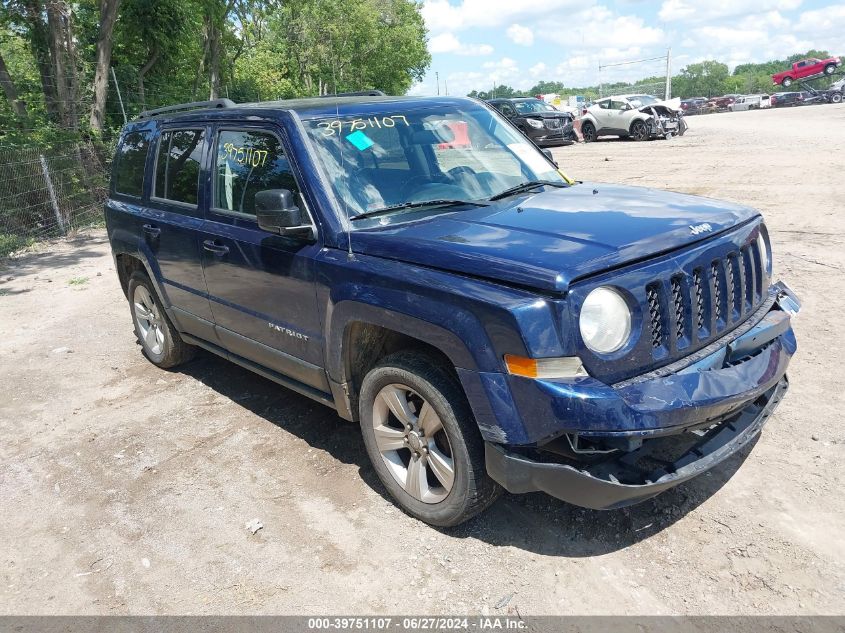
(131, 158)
(248, 162)
(178, 165)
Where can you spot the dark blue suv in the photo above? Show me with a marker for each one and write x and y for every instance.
(420, 266)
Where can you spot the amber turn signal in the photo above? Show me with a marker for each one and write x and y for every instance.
(566, 367)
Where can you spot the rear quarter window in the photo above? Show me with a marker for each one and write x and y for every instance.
(130, 159)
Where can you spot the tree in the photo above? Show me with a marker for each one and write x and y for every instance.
(108, 15)
(11, 91)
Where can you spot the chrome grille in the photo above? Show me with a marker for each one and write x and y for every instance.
(655, 315)
(678, 303)
(552, 124)
(698, 294)
(716, 281)
(699, 306)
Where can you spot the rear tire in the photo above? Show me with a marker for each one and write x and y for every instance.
(588, 131)
(423, 441)
(787, 82)
(159, 340)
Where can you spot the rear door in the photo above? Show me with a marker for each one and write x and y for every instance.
(261, 285)
(171, 228)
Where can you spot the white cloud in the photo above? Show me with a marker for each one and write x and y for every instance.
(521, 35)
(442, 15)
(448, 43)
(538, 70)
(598, 27)
(697, 11)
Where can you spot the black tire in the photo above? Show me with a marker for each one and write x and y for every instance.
(830, 69)
(588, 131)
(639, 130)
(173, 350)
(836, 97)
(787, 82)
(472, 490)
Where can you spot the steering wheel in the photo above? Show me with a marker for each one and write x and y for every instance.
(413, 184)
(436, 191)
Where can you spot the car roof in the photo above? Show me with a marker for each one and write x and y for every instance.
(312, 107)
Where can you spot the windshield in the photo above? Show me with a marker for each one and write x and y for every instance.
(532, 105)
(642, 100)
(377, 160)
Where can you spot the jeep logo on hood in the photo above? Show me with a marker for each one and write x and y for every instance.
(700, 228)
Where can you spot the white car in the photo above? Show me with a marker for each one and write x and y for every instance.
(751, 102)
(639, 117)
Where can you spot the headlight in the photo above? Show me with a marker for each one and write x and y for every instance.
(765, 256)
(535, 123)
(605, 320)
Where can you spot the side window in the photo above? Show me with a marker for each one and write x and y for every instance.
(178, 165)
(508, 110)
(604, 105)
(248, 162)
(130, 160)
(616, 105)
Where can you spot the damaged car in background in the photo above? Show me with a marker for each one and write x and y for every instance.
(640, 117)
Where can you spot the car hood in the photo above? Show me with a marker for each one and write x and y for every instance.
(549, 239)
(673, 105)
(546, 115)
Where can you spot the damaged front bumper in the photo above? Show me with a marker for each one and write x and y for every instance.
(636, 439)
(634, 476)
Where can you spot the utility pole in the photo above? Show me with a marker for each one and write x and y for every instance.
(446, 87)
(437, 74)
(668, 73)
(119, 98)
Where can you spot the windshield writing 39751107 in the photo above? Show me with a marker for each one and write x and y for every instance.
(330, 128)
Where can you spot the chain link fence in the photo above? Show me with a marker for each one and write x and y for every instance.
(49, 192)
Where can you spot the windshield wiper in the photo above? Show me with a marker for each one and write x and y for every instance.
(526, 186)
(416, 205)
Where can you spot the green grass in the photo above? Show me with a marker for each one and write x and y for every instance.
(78, 281)
(11, 243)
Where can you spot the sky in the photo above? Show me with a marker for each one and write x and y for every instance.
(519, 42)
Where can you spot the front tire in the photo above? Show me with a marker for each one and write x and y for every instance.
(830, 69)
(422, 440)
(588, 131)
(836, 97)
(639, 131)
(159, 340)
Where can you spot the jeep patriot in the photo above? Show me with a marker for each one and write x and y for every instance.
(490, 323)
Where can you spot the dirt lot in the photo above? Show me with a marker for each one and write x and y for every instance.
(126, 489)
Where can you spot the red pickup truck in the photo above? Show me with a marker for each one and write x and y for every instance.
(806, 68)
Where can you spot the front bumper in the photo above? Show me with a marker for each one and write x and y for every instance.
(693, 414)
(602, 487)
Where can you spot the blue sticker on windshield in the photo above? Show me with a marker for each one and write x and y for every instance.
(360, 140)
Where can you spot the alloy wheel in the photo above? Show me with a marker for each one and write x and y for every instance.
(149, 322)
(413, 443)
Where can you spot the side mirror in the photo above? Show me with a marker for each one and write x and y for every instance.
(276, 213)
(548, 154)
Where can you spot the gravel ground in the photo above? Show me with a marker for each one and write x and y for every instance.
(127, 490)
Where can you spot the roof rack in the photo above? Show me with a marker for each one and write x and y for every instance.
(362, 93)
(214, 103)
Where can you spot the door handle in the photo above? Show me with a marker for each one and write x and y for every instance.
(151, 230)
(213, 247)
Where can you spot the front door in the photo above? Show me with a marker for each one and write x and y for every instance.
(261, 285)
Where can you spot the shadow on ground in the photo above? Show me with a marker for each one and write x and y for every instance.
(534, 522)
(52, 262)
